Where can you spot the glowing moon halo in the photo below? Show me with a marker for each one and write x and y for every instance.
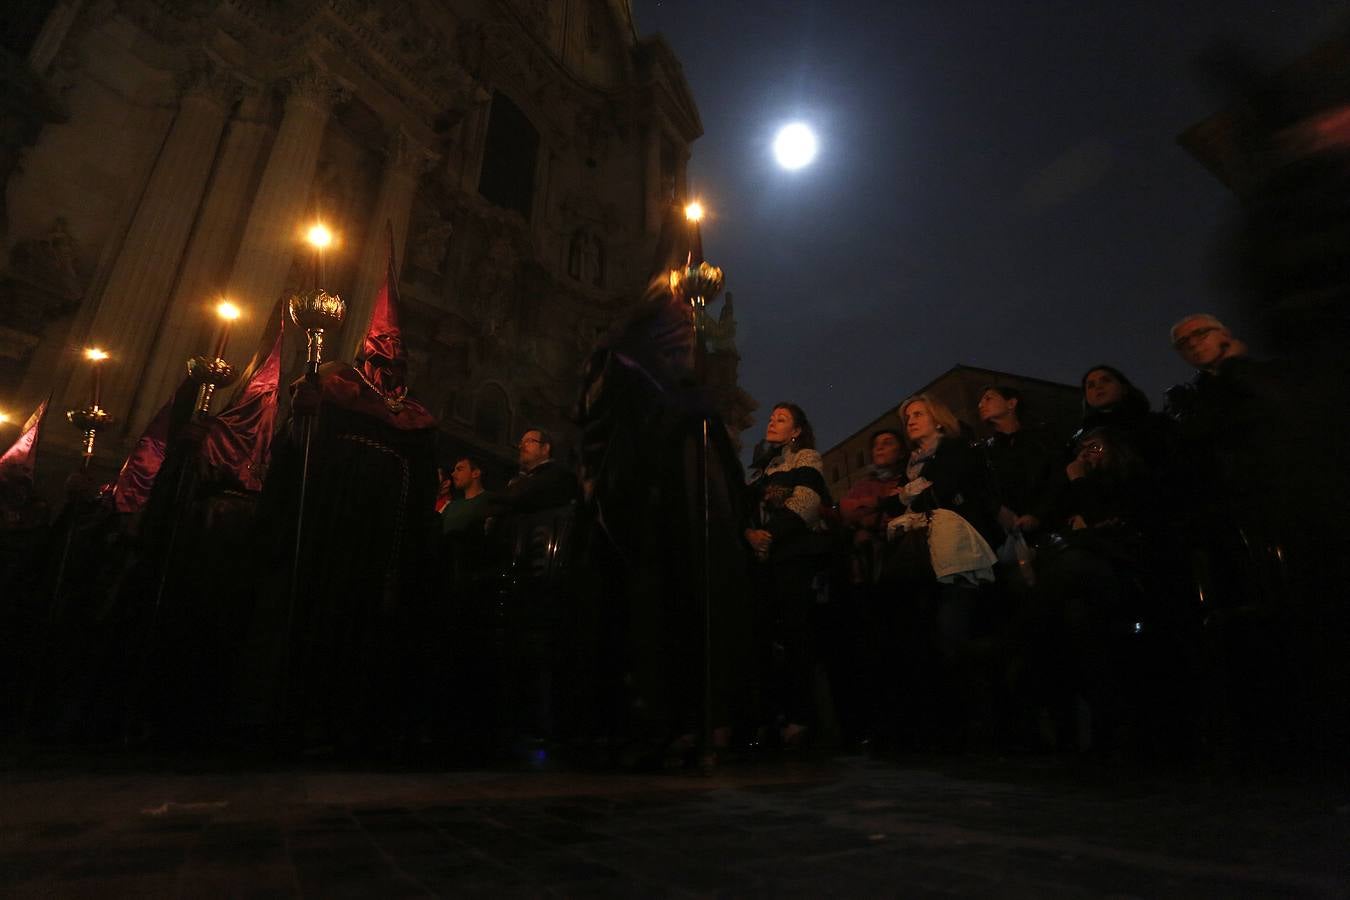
(794, 146)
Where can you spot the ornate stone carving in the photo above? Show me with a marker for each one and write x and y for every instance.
(314, 87)
(208, 81)
(428, 247)
(49, 263)
(408, 156)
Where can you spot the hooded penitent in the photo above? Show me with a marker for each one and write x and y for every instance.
(658, 334)
(239, 440)
(377, 385)
(383, 362)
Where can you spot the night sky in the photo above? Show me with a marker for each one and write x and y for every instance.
(998, 184)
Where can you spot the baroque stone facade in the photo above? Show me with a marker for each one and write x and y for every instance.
(159, 155)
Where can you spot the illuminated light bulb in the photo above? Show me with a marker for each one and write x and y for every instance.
(319, 236)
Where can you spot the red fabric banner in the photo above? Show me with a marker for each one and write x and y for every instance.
(238, 442)
(21, 458)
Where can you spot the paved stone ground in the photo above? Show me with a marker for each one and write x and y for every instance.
(841, 827)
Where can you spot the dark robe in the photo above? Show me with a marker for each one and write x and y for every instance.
(351, 641)
(641, 458)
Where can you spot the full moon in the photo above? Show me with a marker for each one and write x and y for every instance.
(794, 146)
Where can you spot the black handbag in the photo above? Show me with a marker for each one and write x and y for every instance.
(908, 559)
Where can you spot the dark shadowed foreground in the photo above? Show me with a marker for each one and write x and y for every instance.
(847, 827)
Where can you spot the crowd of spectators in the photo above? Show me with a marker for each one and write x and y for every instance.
(1165, 584)
(1159, 583)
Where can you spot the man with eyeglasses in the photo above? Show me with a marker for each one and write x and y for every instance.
(542, 482)
(1266, 497)
(1205, 343)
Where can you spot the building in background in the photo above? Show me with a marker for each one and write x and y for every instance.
(159, 155)
(1282, 146)
(1057, 406)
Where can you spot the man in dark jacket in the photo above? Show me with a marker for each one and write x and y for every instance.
(1265, 513)
(1024, 461)
(542, 483)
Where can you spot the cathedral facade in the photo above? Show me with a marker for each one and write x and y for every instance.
(159, 156)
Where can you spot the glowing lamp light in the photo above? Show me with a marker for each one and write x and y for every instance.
(795, 146)
(4, 418)
(319, 237)
(694, 211)
(227, 312)
(95, 355)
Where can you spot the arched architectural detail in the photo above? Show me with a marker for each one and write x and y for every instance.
(492, 413)
(586, 258)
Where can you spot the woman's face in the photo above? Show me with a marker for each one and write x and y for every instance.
(919, 424)
(885, 450)
(781, 428)
(993, 405)
(1101, 388)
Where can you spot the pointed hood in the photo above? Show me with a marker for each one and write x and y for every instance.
(136, 478)
(238, 442)
(18, 463)
(383, 362)
(658, 331)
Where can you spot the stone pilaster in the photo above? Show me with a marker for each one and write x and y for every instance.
(132, 302)
(656, 205)
(188, 323)
(53, 34)
(271, 235)
(405, 162)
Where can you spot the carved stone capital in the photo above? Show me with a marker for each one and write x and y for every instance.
(406, 156)
(315, 89)
(212, 83)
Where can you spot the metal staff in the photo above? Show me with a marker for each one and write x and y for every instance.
(90, 420)
(698, 283)
(317, 312)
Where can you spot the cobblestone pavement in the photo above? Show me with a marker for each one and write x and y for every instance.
(843, 827)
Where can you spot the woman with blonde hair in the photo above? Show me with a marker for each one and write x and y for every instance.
(938, 561)
(943, 471)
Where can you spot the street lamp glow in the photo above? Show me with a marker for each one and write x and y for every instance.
(795, 146)
(227, 310)
(319, 236)
(694, 211)
(93, 354)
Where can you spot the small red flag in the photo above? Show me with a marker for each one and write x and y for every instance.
(137, 476)
(19, 460)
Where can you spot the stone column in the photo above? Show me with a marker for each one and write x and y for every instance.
(405, 162)
(656, 209)
(53, 34)
(132, 302)
(271, 236)
(189, 324)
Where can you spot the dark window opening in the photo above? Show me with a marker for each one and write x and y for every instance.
(509, 157)
(492, 415)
